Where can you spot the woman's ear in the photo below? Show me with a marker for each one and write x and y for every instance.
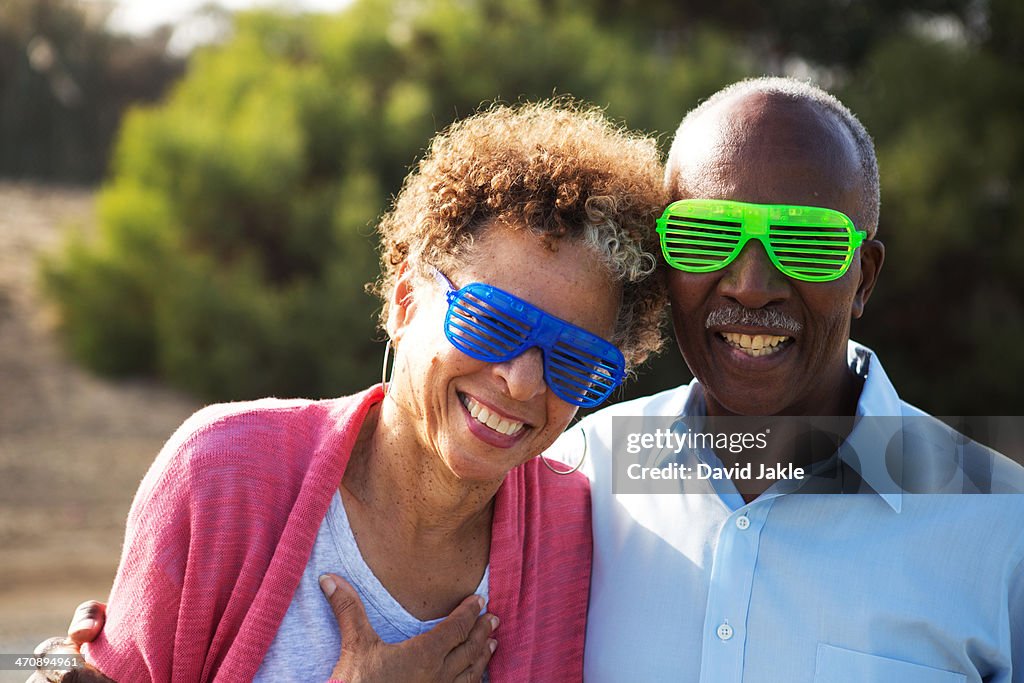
(401, 304)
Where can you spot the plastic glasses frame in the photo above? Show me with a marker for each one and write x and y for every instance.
(806, 243)
(491, 325)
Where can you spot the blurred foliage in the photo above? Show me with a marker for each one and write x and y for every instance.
(64, 83)
(238, 220)
(236, 226)
(950, 306)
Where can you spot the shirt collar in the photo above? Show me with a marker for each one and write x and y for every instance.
(875, 442)
(874, 438)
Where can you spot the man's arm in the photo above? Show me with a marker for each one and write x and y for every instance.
(85, 625)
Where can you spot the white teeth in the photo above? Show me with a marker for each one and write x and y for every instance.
(754, 345)
(508, 428)
(492, 420)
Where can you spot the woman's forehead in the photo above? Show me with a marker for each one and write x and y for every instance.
(563, 277)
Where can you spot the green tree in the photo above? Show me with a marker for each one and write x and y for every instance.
(236, 229)
(237, 225)
(949, 308)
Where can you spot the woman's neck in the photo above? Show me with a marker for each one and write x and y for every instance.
(424, 534)
(390, 473)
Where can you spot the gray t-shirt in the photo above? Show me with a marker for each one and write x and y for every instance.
(308, 642)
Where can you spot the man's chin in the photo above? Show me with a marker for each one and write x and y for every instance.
(744, 398)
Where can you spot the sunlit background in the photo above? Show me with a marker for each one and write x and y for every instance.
(188, 194)
(194, 22)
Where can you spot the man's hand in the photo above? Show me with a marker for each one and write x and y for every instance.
(457, 650)
(85, 625)
(88, 622)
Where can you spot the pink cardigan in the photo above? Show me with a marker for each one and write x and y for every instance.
(224, 522)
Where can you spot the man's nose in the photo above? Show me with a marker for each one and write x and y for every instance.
(752, 280)
(523, 375)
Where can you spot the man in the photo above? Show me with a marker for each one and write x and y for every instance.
(752, 580)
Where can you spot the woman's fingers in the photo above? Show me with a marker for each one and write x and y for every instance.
(456, 627)
(363, 656)
(356, 631)
(470, 659)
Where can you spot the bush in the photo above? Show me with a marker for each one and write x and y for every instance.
(236, 230)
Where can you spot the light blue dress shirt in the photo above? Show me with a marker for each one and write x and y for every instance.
(794, 588)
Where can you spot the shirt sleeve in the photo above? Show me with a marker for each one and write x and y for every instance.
(1017, 623)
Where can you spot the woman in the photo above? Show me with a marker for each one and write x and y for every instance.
(520, 244)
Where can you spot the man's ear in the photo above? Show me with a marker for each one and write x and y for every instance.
(401, 304)
(872, 255)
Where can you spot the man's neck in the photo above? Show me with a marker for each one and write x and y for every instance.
(791, 443)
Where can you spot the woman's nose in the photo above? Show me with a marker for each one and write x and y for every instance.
(523, 375)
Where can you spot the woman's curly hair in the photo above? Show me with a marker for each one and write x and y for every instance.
(558, 168)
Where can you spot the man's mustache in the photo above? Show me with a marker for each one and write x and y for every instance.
(755, 317)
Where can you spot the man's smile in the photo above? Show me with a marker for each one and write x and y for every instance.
(756, 345)
(737, 353)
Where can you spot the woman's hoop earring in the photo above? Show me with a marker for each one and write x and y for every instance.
(580, 463)
(384, 367)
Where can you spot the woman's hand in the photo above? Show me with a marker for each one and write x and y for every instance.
(85, 625)
(457, 650)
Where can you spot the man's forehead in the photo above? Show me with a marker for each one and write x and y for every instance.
(767, 148)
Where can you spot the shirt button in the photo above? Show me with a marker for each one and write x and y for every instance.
(742, 522)
(725, 632)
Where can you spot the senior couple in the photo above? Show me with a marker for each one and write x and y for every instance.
(410, 533)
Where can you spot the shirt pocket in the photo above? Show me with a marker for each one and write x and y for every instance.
(838, 665)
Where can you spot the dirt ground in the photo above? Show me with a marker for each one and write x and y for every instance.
(73, 447)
